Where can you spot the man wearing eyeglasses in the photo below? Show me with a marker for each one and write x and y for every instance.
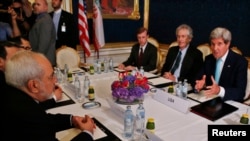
(7, 50)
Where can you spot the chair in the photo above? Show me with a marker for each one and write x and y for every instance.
(205, 49)
(159, 56)
(67, 55)
(247, 95)
(175, 43)
(236, 50)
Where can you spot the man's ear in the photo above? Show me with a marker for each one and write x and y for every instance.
(33, 86)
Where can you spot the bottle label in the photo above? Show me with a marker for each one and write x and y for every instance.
(91, 96)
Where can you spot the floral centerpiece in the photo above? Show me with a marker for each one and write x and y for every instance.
(129, 88)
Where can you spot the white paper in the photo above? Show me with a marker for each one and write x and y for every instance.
(64, 98)
(159, 80)
(76, 70)
(67, 135)
(119, 70)
(200, 97)
(149, 75)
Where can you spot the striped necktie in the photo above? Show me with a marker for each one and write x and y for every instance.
(177, 63)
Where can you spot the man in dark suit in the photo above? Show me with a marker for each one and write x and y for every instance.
(190, 60)
(42, 35)
(66, 28)
(7, 50)
(149, 58)
(27, 87)
(224, 72)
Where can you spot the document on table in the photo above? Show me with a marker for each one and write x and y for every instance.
(158, 81)
(69, 134)
(200, 97)
(64, 98)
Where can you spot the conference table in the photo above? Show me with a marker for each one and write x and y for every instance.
(170, 124)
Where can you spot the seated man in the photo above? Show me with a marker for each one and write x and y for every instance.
(224, 72)
(182, 61)
(7, 50)
(30, 78)
(142, 54)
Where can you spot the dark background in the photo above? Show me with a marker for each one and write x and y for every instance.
(202, 15)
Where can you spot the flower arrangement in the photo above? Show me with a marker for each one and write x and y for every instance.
(129, 87)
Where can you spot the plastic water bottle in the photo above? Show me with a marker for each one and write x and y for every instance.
(128, 123)
(99, 67)
(106, 65)
(179, 89)
(65, 73)
(140, 118)
(86, 86)
(111, 65)
(78, 94)
(142, 71)
(185, 89)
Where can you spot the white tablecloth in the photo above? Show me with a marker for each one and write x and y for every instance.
(170, 124)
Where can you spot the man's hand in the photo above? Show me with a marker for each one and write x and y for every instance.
(214, 89)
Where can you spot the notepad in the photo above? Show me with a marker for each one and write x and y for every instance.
(160, 82)
(213, 109)
(200, 97)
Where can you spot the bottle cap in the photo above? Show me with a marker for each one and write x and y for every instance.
(150, 119)
(245, 115)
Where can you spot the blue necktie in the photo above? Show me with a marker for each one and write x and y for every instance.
(217, 70)
(177, 63)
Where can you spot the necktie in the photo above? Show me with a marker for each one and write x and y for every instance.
(177, 63)
(140, 57)
(217, 70)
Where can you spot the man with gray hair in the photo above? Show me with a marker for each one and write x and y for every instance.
(30, 78)
(224, 72)
(182, 61)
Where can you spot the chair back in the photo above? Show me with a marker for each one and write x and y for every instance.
(159, 56)
(67, 55)
(174, 43)
(205, 49)
(236, 50)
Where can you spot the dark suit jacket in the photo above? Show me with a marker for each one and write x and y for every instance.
(233, 76)
(29, 120)
(149, 57)
(192, 63)
(69, 37)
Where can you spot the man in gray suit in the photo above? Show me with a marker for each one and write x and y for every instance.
(42, 35)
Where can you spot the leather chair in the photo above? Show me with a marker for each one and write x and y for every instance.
(159, 56)
(67, 55)
(205, 49)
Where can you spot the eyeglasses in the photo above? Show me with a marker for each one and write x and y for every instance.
(26, 47)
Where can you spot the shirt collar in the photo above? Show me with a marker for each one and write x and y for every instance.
(58, 11)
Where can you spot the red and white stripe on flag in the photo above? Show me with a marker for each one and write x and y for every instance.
(83, 27)
(98, 33)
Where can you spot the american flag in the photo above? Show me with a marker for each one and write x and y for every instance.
(98, 34)
(83, 27)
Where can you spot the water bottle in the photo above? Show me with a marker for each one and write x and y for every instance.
(78, 94)
(98, 67)
(59, 75)
(86, 86)
(134, 71)
(140, 118)
(179, 89)
(142, 71)
(185, 89)
(128, 123)
(111, 65)
(65, 73)
(106, 65)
